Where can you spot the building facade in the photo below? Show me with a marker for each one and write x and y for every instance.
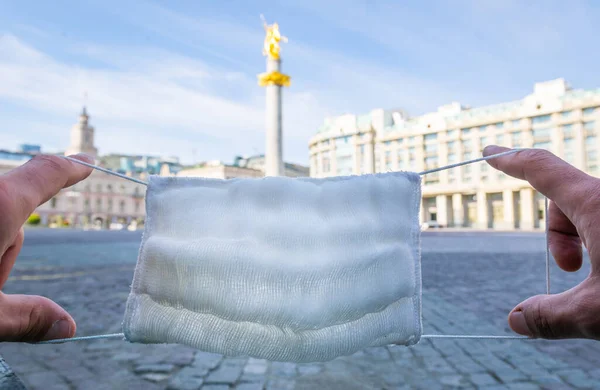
(246, 167)
(101, 200)
(555, 117)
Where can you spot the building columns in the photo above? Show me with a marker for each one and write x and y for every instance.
(508, 203)
(444, 212)
(527, 209)
(369, 155)
(482, 210)
(458, 210)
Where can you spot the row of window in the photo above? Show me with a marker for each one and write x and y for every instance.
(104, 189)
(536, 120)
(98, 205)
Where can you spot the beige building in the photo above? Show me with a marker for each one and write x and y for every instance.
(101, 200)
(246, 167)
(554, 117)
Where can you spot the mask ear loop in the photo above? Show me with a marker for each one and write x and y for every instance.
(425, 336)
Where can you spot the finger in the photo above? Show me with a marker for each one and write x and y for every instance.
(10, 256)
(553, 177)
(33, 318)
(571, 314)
(564, 241)
(24, 188)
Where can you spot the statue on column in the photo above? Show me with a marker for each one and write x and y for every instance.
(271, 47)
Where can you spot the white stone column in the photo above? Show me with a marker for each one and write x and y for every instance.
(443, 211)
(482, 210)
(527, 209)
(319, 162)
(458, 209)
(274, 147)
(508, 203)
(370, 154)
(356, 157)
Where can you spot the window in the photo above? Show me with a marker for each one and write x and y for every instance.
(399, 154)
(98, 204)
(122, 188)
(569, 150)
(431, 162)
(86, 205)
(326, 165)
(452, 133)
(451, 145)
(388, 160)
(411, 139)
(540, 119)
(589, 110)
(590, 140)
(430, 137)
(53, 203)
(325, 142)
(137, 206)
(452, 158)
(542, 145)
(516, 139)
(541, 133)
(122, 206)
(467, 169)
(567, 131)
(467, 145)
(499, 125)
(484, 141)
(484, 167)
(99, 188)
(109, 188)
(566, 114)
(592, 156)
(387, 143)
(110, 205)
(499, 139)
(431, 148)
(465, 132)
(589, 125)
(516, 122)
(467, 156)
(483, 129)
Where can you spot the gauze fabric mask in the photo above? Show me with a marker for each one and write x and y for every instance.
(277, 268)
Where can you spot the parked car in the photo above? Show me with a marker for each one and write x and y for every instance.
(431, 225)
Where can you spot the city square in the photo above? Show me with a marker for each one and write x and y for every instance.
(470, 282)
(215, 216)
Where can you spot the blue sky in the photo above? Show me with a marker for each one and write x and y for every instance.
(178, 78)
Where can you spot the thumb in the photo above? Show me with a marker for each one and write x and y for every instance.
(559, 316)
(33, 318)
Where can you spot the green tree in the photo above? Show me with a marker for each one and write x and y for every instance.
(34, 219)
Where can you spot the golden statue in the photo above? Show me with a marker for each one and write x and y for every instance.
(271, 46)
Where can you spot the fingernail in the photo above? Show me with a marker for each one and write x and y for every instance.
(60, 330)
(82, 156)
(489, 149)
(518, 324)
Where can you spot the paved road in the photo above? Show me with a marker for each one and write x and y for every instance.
(471, 281)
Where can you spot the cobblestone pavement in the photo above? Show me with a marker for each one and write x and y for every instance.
(471, 281)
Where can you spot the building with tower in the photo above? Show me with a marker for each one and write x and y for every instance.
(82, 137)
(101, 200)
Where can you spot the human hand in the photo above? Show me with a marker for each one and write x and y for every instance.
(26, 317)
(574, 218)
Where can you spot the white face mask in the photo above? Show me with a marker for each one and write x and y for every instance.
(283, 269)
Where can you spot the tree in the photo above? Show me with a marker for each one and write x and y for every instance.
(34, 219)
